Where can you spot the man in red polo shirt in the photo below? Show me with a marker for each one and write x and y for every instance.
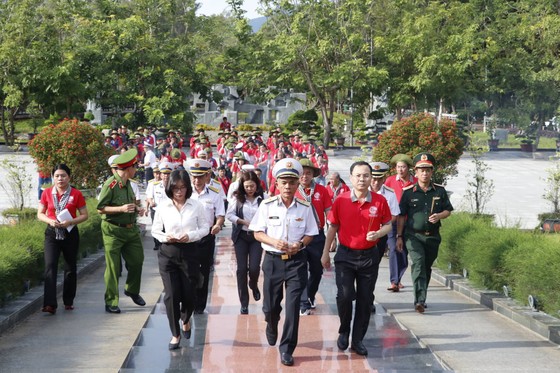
(321, 203)
(361, 218)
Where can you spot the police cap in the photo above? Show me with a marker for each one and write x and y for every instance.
(287, 168)
(126, 159)
(379, 169)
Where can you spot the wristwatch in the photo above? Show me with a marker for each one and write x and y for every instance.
(399, 235)
(302, 245)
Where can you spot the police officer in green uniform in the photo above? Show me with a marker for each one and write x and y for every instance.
(121, 235)
(423, 205)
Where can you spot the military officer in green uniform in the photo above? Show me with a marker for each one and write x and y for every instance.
(121, 235)
(423, 205)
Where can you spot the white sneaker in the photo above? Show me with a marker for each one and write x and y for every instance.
(306, 312)
(312, 303)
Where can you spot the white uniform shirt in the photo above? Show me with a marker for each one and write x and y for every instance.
(158, 194)
(216, 184)
(232, 188)
(150, 159)
(249, 210)
(391, 198)
(190, 220)
(288, 224)
(135, 189)
(212, 203)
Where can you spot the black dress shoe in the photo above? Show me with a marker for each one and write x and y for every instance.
(136, 298)
(112, 309)
(342, 341)
(271, 333)
(256, 294)
(174, 346)
(359, 348)
(286, 359)
(244, 311)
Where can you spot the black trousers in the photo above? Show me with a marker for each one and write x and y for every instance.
(178, 267)
(314, 252)
(291, 274)
(355, 271)
(69, 249)
(149, 173)
(205, 255)
(248, 254)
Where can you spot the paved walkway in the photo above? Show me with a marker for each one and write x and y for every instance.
(463, 335)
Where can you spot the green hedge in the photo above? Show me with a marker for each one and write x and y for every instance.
(528, 262)
(21, 252)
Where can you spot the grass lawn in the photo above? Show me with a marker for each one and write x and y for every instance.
(480, 139)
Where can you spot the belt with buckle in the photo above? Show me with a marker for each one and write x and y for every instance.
(283, 256)
(121, 225)
(426, 233)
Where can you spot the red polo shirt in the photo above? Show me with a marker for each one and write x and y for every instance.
(75, 202)
(398, 184)
(354, 218)
(320, 199)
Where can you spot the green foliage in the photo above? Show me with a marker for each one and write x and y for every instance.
(529, 266)
(21, 251)
(27, 213)
(245, 127)
(72, 142)
(17, 183)
(303, 121)
(495, 257)
(459, 228)
(552, 188)
(206, 127)
(479, 188)
(420, 133)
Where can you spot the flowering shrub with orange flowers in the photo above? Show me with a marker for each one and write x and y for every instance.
(420, 133)
(76, 144)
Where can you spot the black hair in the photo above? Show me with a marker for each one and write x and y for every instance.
(61, 166)
(241, 195)
(360, 163)
(174, 178)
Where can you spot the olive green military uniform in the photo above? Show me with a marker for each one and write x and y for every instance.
(421, 237)
(121, 236)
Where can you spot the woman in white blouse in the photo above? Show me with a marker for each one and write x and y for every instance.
(248, 251)
(178, 225)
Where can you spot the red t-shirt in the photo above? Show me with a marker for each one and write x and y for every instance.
(355, 219)
(321, 202)
(400, 184)
(75, 202)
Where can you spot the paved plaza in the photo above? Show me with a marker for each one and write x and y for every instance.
(455, 334)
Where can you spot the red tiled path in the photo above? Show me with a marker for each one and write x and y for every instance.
(236, 342)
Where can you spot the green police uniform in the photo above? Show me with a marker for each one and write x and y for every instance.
(121, 236)
(421, 237)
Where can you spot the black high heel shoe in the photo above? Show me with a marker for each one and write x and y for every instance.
(174, 346)
(187, 333)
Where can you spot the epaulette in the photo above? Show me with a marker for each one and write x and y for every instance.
(213, 189)
(408, 187)
(389, 189)
(439, 185)
(303, 202)
(270, 200)
(153, 181)
(217, 182)
(113, 183)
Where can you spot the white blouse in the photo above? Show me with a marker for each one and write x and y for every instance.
(190, 220)
(249, 210)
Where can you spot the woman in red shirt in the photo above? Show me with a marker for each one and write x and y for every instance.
(58, 208)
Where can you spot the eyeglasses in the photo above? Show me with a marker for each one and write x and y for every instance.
(179, 189)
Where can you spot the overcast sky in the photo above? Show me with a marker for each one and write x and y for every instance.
(209, 7)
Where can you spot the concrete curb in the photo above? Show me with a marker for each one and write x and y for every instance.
(22, 307)
(539, 322)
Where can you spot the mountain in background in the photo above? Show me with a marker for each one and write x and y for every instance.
(256, 23)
